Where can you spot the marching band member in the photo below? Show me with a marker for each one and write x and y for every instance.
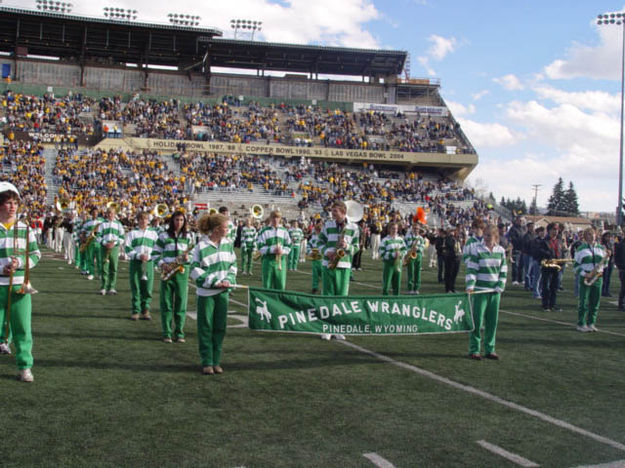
(172, 254)
(486, 269)
(376, 233)
(274, 244)
(548, 248)
(111, 238)
(314, 253)
(15, 308)
(392, 251)
(232, 230)
(213, 269)
(338, 235)
(296, 235)
(477, 233)
(590, 259)
(415, 243)
(139, 245)
(90, 247)
(248, 245)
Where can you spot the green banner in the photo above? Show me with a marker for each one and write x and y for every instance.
(287, 311)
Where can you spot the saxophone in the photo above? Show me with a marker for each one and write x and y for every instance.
(168, 270)
(554, 262)
(412, 254)
(596, 272)
(90, 238)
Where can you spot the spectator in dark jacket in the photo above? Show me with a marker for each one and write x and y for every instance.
(619, 261)
(526, 254)
(515, 236)
(549, 248)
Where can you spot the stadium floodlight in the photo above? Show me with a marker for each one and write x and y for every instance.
(241, 24)
(54, 6)
(121, 14)
(180, 19)
(618, 19)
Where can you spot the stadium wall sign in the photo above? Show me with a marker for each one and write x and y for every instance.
(435, 159)
(47, 137)
(287, 311)
(440, 111)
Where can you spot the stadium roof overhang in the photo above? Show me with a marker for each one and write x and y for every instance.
(84, 39)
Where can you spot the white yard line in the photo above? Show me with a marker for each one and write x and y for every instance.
(614, 464)
(513, 457)
(377, 460)
(489, 396)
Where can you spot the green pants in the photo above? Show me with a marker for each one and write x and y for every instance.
(141, 290)
(486, 314)
(246, 259)
(91, 259)
(272, 277)
(414, 273)
(391, 277)
(108, 264)
(294, 257)
(212, 317)
(77, 255)
(336, 281)
(20, 320)
(317, 271)
(173, 304)
(589, 298)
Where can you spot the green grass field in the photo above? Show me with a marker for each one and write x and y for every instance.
(108, 392)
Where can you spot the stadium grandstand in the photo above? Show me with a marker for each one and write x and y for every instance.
(122, 110)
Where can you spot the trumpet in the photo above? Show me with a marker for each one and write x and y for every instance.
(554, 262)
(257, 211)
(314, 255)
(26, 288)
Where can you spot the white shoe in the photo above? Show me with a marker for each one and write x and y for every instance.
(583, 329)
(339, 337)
(103, 292)
(592, 328)
(515, 283)
(90, 277)
(326, 336)
(112, 292)
(4, 348)
(26, 375)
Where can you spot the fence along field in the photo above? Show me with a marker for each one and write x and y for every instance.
(109, 392)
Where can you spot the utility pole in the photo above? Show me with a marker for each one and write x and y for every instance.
(535, 187)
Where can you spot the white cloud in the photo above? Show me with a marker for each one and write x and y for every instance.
(459, 110)
(598, 62)
(479, 95)
(441, 46)
(509, 82)
(597, 101)
(489, 135)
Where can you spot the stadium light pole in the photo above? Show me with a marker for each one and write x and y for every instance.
(121, 14)
(180, 19)
(54, 6)
(252, 25)
(608, 19)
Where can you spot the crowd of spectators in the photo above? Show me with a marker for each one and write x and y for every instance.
(23, 164)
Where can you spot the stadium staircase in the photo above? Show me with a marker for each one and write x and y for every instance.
(52, 189)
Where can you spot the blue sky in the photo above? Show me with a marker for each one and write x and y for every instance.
(535, 85)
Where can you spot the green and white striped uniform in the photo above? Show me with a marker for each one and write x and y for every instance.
(111, 231)
(167, 248)
(468, 245)
(232, 231)
(248, 238)
(296, 236)
(329, 237)
(88, 226)
(140, 242)
(8, 249)
(587, 257)
(389, 246)
(417, 240)
(212, 263)
(269, 237)
(486, 269)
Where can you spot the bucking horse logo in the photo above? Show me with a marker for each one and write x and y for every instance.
(263, 311)
(459, 312)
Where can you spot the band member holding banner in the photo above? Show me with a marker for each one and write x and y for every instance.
(139, 245)
(248, 245)
(590, 261)
(415, 243)
(111, 238)
(314, 254)
(486, 270)
(392, 251)
(20, 252)
(296, 235)
(274, 244)
(171, 254)
(213, 269)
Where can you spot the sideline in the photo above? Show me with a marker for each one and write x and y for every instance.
(513, 457)
(488, 396)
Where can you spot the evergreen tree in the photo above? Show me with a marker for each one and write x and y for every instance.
(554, 206)
(572, 205)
